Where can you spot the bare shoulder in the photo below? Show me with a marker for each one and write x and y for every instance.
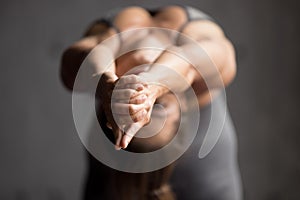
(203, 29)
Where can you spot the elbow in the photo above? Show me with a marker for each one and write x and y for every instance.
(229, 75)
(64, 71)
(70, 63)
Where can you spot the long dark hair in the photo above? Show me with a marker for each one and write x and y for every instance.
(144, 186)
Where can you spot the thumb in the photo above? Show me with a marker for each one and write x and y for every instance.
(130, 132)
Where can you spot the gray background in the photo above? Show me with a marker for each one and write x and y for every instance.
(41, 156)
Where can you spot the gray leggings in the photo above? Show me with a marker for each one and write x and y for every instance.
(215, 177)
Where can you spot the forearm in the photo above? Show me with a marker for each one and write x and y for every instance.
(170, 72)
(75, 57)
(208, 63)
(70, 64)
(214, 60)
(87, 64)
(211, 53)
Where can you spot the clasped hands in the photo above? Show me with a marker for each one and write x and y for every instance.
(127, 103)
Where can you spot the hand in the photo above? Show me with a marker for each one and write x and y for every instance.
(104, 92)
(132, 104)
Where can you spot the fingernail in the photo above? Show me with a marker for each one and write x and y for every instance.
(125, 144)
(140, 87)
(117, 147)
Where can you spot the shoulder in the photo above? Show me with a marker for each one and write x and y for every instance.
(199, 29)
(200, 25)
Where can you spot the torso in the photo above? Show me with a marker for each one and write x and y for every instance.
(172, 17)
(196, 171)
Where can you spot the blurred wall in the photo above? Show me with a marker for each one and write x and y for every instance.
(41, 154)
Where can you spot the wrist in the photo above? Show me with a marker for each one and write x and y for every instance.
(158, 90)
(107, 77)
(155, 85)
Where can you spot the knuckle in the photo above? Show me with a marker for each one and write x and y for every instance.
(128, 93)
(135, 118)
(147, 118)
(131, 109)
(133, 78)
(138, 101)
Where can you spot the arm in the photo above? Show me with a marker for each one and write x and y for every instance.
(74, 55)
(94, 65)
(216, 56)
(93, 58)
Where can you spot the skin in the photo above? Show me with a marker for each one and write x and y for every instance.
(132, 96)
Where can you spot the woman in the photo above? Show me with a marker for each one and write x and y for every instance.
(127, 101)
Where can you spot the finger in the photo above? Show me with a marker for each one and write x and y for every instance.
(141, 98)
(128, 79)
(129, 134)
(134, 86)
(126, 109)
(129, 119)
(139, 116)
(124, 94)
